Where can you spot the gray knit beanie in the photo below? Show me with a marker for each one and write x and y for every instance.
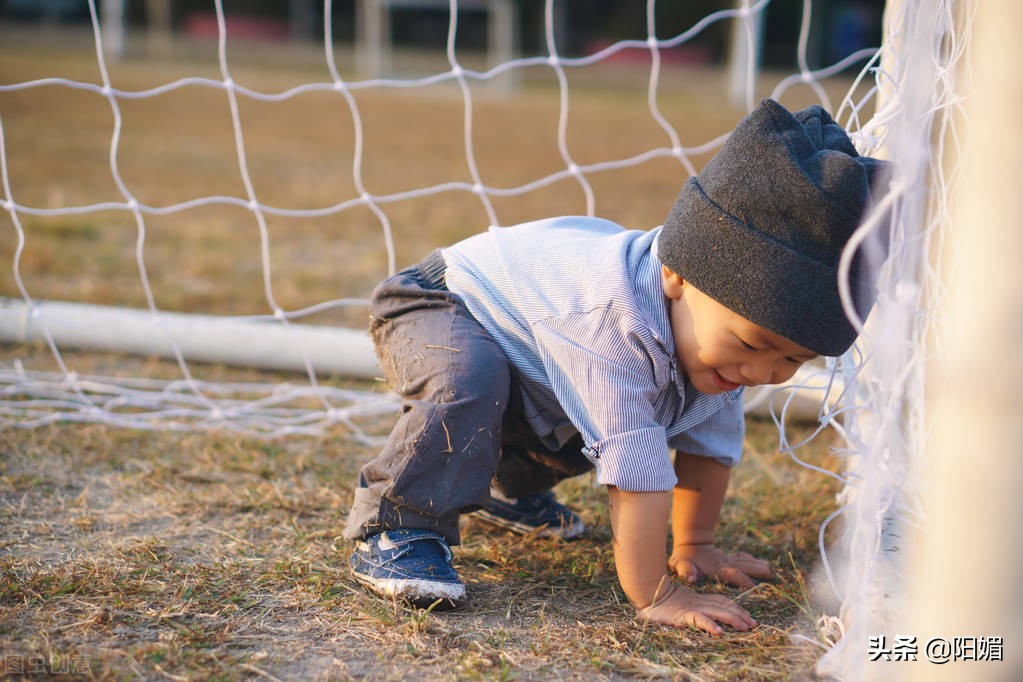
(761, 228)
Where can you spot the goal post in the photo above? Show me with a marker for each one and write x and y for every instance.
(972, 474)
(259, 343)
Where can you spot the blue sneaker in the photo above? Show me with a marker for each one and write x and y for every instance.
(540, 514)
(409, 564)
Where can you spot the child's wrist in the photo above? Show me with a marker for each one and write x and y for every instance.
(665, 590)
(693, 538)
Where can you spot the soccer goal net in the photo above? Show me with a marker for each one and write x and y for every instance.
(232, 203)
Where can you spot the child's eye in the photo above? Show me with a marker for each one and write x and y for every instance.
(746, 345)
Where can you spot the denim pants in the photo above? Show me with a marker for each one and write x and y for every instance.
(459, 428)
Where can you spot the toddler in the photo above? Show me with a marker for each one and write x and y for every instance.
(525, 355)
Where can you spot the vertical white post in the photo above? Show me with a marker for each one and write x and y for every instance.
(112, 24)
(970, 559)
(502, 39)
(374, 37)
(501, 31)
(744, 56)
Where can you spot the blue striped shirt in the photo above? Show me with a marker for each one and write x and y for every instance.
(577, 306)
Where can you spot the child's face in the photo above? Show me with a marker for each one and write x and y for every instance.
(719, 349)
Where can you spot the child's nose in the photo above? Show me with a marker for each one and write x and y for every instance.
(757, 372)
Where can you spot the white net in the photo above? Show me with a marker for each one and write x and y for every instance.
(187, 401)
(918, 124)
(546, 156)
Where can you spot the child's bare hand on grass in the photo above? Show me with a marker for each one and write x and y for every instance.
(683, 607)
(692, 562)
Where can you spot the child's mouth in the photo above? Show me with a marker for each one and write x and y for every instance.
(722, 383)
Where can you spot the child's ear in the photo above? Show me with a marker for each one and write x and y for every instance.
(672, 282)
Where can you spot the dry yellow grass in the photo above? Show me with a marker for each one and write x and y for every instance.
(211, 557)
(208, 556)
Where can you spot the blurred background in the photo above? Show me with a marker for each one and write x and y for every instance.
(172, 143)
(839, 27)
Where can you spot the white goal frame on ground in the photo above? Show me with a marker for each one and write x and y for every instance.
(873, 396)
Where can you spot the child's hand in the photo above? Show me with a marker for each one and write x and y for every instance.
(681, 607)
(692, 562)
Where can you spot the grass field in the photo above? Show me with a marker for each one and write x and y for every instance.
(161, 555)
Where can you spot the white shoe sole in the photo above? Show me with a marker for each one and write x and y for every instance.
(419, 592)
